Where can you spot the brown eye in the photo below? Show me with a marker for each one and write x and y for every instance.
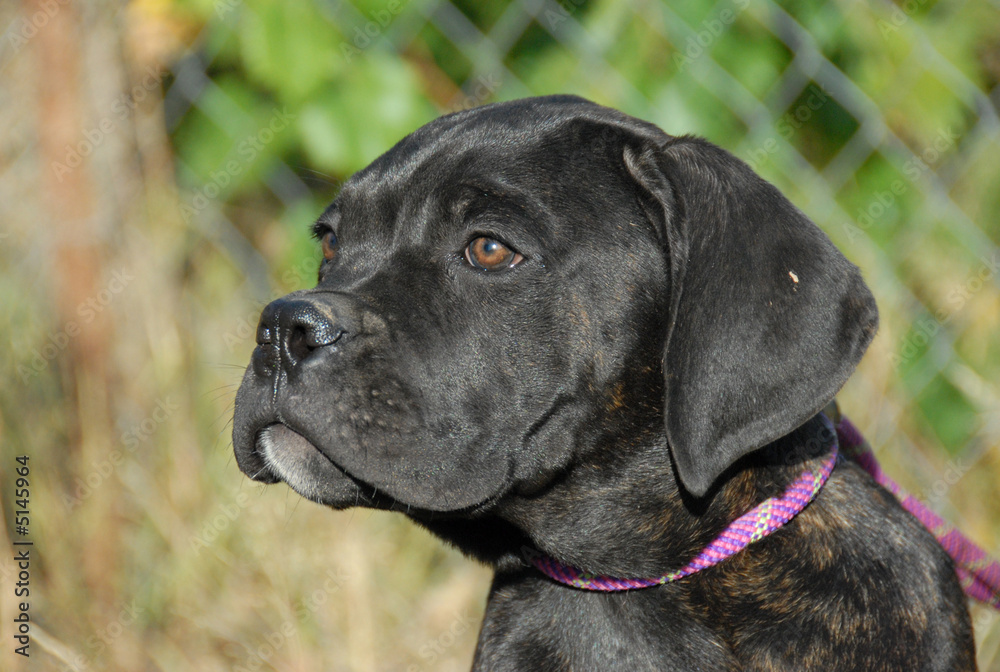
(329, 243)
(489, 254)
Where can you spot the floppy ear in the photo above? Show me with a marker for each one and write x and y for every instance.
(767, 317)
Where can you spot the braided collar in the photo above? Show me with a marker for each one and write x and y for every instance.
(755, 524)
(978, 573)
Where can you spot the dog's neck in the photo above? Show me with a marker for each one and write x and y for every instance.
(590, 519)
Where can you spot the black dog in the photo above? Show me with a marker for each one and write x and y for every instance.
(545, 324)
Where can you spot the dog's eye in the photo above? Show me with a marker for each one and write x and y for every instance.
(329, 243)
(489, 254)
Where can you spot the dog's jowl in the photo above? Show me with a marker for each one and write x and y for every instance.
(546, 329)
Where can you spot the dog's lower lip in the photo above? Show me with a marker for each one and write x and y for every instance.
(289, 439)
(292, 444)
(283, 431)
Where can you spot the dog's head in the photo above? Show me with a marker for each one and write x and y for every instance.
(513, 288)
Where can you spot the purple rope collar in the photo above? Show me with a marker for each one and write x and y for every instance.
(979, 573)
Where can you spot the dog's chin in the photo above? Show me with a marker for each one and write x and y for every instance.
(282, 454)
(292, 458)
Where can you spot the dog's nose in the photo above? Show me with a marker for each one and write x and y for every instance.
(291, 329)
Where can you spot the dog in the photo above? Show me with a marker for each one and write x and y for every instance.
(546, 327)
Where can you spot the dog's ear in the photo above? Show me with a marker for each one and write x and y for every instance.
(767, 318)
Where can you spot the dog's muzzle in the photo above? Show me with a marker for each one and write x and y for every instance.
(297, 336)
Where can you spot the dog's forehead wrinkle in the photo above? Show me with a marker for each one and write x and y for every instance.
(487, 136)
(444, 187)
(428, 145)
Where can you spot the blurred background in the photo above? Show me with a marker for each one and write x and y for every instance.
(161, 162)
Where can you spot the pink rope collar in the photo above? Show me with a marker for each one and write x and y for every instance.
(979, 574)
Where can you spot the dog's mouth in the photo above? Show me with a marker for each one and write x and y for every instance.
(284, 450)
(290, 457)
